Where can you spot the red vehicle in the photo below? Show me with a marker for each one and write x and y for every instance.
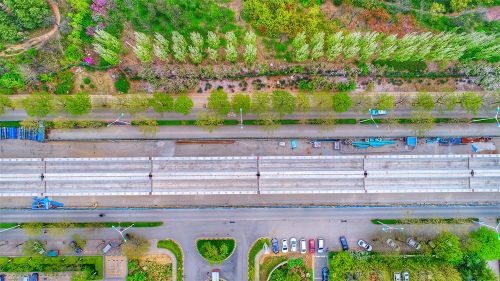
(312, 246)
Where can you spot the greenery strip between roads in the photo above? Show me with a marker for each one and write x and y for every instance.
(425, 221)
(173, 247)
(79, 224)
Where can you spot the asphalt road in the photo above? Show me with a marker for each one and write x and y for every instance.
(284, 132)
(186, 225)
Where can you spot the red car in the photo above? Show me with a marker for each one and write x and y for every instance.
(312, 246)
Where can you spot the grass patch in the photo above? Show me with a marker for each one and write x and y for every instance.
(268, 264)
(83, 224)
(256, 247)
(171, 245)
(215, 251)
(426, 221)
(88, 264)
(10, 123)
(151, 270)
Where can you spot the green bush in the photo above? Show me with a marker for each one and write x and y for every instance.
(254, 250)
(409, 66)
(121, 84)
(346, 87)
(215, 251)
(177, 251)
(64, 83)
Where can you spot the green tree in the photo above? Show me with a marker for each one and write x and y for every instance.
(459, 5)
(438, 8)
(209, 120)
(77, 104)
(143, 48)
(261, 103)
(422, 122)
(341, 264)
(136, 246)
(183, 104)
(488, 244)
(322, 101)
(107, 46)
(283, 102)
(302, 103)
(179, 47)
(384, 101)
(242, 101)
(132, 104)
(424, 101)
(471, 102)
(213, 43)
(342, 102)
(33, 248)
(38, 104)
(161, 103)
(5, 102)
(448, 247)
(218, 102)
(29, 14)
(161, 47)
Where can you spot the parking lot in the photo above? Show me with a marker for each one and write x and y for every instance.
(53, 276)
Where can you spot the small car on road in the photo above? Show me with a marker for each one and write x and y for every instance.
(78, 250)
(397, 276)
(406, 276)
(312, 246)
(393, 244)
(284, 246)
(364, 245)
(324, 272)
(343, 243)
(413, 243)
(303, 246)
(321, 245)
(275, 245)
(293, 244)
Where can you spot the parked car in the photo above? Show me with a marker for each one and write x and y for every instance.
(343, 242)
(293, 244)
(53, 253)
(107, 248)
(26, 277)
(324, 272)
(321, 245)
(2, 277)
(397, 276)
(303, 246)
(393, 244)
(284, 246)
(275, 246)
(312, 246)
(413, 243)
(78, 250)
(406, 276)
(34, 277)
(365, 245)
(375, 112)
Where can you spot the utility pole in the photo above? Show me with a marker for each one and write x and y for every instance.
(3, 230)
(122, 231)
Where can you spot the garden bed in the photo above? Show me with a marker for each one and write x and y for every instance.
(91, 265)
(150, 268)
(216, 251)
(173, 247)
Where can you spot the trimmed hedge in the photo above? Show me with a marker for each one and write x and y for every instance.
(426, 221)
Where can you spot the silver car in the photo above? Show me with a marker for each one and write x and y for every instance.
(397, 276)
(413, 243)
(393, 244)
(293, 244)
(406, 276)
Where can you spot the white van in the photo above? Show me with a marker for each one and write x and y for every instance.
(303, 246)
(106, 249)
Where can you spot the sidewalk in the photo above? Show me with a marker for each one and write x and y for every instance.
(284, 131)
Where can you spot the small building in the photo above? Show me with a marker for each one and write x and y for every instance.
(215, 275)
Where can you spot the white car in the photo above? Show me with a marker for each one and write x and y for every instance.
(406, 276)
(365, 245)
(321, 245)
(293, 244)
(303, 246)
(284, 246)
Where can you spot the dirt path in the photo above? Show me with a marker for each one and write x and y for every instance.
(38, 41)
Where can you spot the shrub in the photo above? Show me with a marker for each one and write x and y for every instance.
(64, 82)
(122, 85)
(346, 87)
(342, 102)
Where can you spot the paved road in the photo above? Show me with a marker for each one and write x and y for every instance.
(285, 131)
(186, 225)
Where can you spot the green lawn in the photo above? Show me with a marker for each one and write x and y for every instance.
(426, 221)
(268, 264)
(177, 251)
(53, 264)
(215, 251)
(383, 267)
(256, 247)
(83, 224)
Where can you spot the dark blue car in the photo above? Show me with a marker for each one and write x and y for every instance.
(34, 277)
(343, 242)
(325, 273)
(275, 246)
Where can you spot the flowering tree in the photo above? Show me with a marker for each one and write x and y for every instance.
(318, 45)
(179, 47)
(231, 52)
(161, 47)
(334, 48)
(213, 43)
(195, 53)
(143, 47)
(250, 52)
(301, 47)
(107, 46)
